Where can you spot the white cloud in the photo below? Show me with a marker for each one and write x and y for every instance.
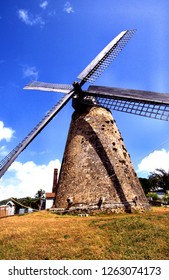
(30, 19)
(30, 72)
(156, 159)
(3, 151)
(68, 8)
(6, 133)
(25, 179)
(44, 4)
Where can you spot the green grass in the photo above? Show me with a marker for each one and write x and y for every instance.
(48, 236)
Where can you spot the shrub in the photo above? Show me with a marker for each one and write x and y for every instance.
(153, 196)
(166, 199)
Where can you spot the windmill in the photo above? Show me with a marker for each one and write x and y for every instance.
(97, 173)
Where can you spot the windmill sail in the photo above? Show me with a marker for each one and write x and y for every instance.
(138, 102)
(64, 88)
(105, 57)
(9, 159)
(90, 73)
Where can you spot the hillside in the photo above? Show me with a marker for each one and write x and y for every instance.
(44, 235)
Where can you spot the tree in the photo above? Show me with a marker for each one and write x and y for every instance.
(40, 195)
(159, 179)
(145, 183)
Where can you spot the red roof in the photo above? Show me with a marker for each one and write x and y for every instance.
(50, 195)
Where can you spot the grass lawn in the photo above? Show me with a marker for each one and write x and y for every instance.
(47, 236)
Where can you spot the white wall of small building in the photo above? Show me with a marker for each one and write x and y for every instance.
(11, 208)
(49, 203)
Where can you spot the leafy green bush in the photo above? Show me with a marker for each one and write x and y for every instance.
(153, 196)
(166, 198)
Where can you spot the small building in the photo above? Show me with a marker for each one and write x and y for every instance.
(11, 208)
(8, 209)
(50, 199)
(3, 211)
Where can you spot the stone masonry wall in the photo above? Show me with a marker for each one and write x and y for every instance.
(96, 171)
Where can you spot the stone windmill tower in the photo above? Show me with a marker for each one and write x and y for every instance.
(96, 172)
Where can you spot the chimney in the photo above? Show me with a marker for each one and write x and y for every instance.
(55, 178)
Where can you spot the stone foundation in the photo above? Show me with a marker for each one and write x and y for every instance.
(107, 209)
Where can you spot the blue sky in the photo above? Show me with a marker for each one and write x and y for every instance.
(53, 41)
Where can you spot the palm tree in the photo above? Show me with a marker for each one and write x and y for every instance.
(40, 195)
(159, 179)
